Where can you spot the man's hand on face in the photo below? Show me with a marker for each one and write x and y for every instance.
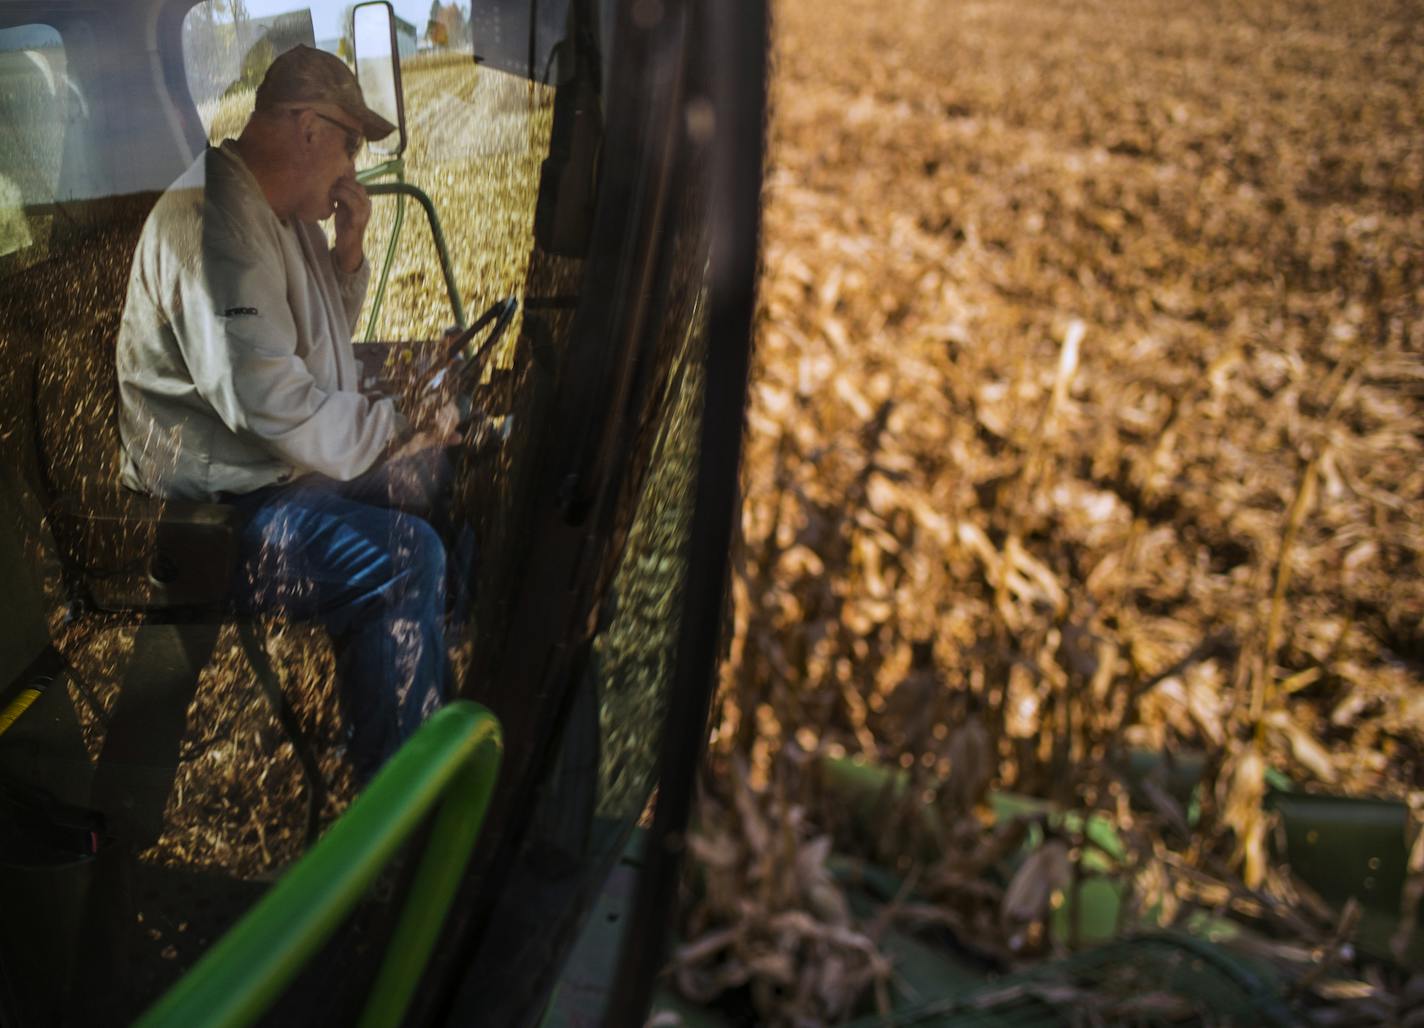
(353, 212)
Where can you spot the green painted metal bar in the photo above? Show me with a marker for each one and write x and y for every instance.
(420, 196)
(453, 760)
(379, 297)
(392, 168)
(430, 894)
(395, 168)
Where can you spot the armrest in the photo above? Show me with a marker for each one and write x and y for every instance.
(140, 553)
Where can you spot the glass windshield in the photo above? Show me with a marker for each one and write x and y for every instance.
(178, 719)
(249, 545)
(477, 139)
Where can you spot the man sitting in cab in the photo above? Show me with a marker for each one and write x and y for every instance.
(238, 384)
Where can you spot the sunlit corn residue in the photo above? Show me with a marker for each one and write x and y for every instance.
(239, 799)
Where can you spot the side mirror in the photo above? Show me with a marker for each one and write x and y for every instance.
(375, 49)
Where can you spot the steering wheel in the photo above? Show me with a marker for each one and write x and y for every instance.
(467, 370)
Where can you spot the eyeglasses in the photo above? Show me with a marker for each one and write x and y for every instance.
(353, 138)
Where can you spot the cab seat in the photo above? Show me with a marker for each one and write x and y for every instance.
(163, 567)
(121, 551)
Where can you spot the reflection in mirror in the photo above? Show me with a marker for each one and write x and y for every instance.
(378, 69)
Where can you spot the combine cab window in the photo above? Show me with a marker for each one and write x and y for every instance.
(164, 759)
(161, 760)
(226, 51)
(477, 138)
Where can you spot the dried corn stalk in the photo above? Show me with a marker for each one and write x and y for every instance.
(1085, 417)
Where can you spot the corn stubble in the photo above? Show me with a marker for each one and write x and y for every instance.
(1085, 418)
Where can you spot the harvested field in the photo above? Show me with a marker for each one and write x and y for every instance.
(1086, 417)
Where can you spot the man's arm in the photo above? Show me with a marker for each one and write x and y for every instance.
(239, 340)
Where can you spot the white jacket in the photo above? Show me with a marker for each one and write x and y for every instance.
(234, 355)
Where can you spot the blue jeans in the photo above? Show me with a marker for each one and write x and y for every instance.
(344, 555)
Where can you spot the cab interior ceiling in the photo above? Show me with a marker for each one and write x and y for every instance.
(142, 129)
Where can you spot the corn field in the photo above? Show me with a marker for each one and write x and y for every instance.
(1085, 421)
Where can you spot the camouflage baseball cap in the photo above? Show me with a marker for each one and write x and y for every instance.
(306, 75)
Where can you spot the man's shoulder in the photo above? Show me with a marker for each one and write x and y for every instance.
(176, 219)
(184, 197)
(210, 202)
